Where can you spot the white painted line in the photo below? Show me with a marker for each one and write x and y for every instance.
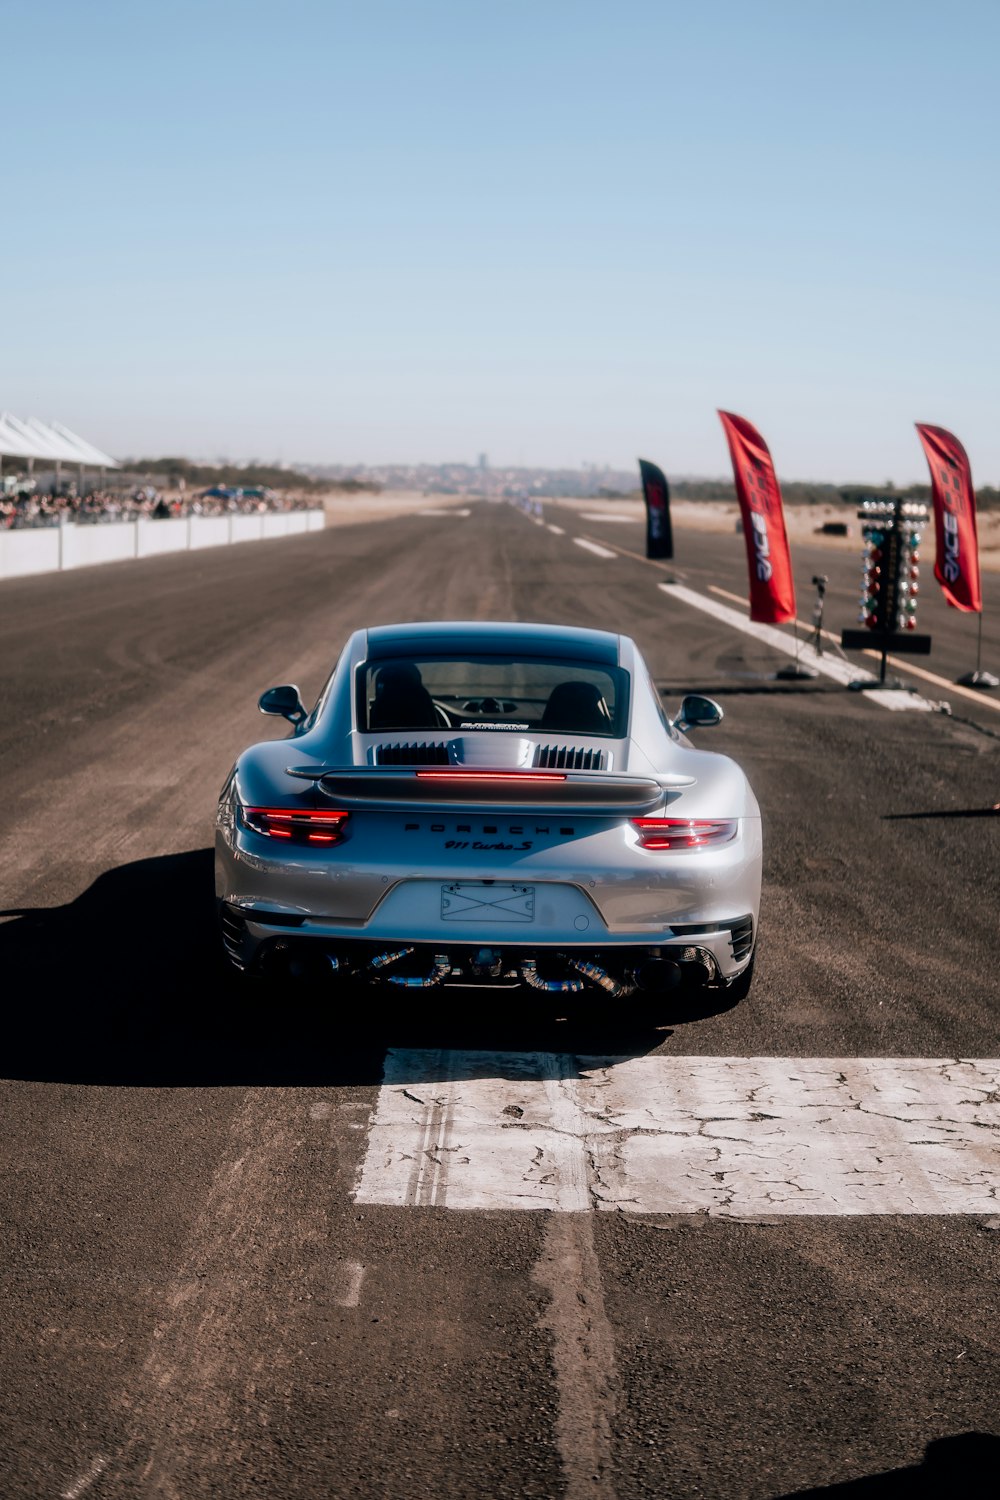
(442, 510)
(81, 1485)
(353, 1275)
(909, 667)
(731, 1137)
(555, 530)
(896, 699)
(607, 515)
(843, 672)
(581, 541)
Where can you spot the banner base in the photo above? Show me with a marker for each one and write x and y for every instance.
(977, 679)
(892, 684)
(795, 672)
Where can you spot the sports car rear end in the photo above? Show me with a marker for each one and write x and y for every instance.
(489, 846)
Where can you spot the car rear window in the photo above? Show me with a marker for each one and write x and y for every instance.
(540, 695)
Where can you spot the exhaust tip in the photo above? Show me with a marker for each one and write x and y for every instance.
(660, 974)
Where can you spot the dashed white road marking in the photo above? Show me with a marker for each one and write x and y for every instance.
(80, 1486)
(442, 510)
(352, 1275)
(581, 541)
(607, 515)
(843, 672)
(732, 1137)
(555, 530)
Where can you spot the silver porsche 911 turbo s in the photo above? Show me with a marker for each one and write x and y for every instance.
(489, 804)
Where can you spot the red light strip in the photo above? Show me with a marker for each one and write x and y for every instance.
(291, 815)
(490, 776)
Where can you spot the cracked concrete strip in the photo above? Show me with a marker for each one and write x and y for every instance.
(742, 1137)
(735, 1137)
(464, 1146)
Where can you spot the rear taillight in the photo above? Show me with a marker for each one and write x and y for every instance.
(684, 833)
(318, 825)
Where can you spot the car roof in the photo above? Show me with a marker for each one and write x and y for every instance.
(490, 638)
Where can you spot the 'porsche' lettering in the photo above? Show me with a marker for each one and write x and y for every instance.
(514, 831)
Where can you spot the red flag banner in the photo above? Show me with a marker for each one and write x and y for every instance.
(956, 566)
(772, 591)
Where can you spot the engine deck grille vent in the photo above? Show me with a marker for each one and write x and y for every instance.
(411, 755)
(569, 758)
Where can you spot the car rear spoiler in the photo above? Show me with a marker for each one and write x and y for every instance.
(364, 786)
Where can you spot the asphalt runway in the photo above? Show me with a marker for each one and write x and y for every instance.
(199, 1296)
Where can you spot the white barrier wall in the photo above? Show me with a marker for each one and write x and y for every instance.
(28, 552)
(83, 545)
(51, 548)
(208, 531)
(154, 537)
(246, 529)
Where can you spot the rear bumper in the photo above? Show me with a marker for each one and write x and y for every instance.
(256, 939)
(590, 889)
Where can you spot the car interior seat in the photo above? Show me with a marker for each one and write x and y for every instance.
(401, 700)
(576, 708)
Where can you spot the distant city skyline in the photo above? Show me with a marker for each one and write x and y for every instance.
(554, 234)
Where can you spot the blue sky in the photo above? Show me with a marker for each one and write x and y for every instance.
(557, 232)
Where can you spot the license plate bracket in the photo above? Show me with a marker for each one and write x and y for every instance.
(487, 901)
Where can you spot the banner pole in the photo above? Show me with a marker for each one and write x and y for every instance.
(795, 671)
(979, 678)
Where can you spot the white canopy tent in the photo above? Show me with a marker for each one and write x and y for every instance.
(51, 442)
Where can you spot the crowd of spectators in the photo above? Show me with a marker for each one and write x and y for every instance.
(25, 507)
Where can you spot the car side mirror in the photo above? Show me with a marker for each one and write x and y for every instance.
(284, 701)
(698, 713)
